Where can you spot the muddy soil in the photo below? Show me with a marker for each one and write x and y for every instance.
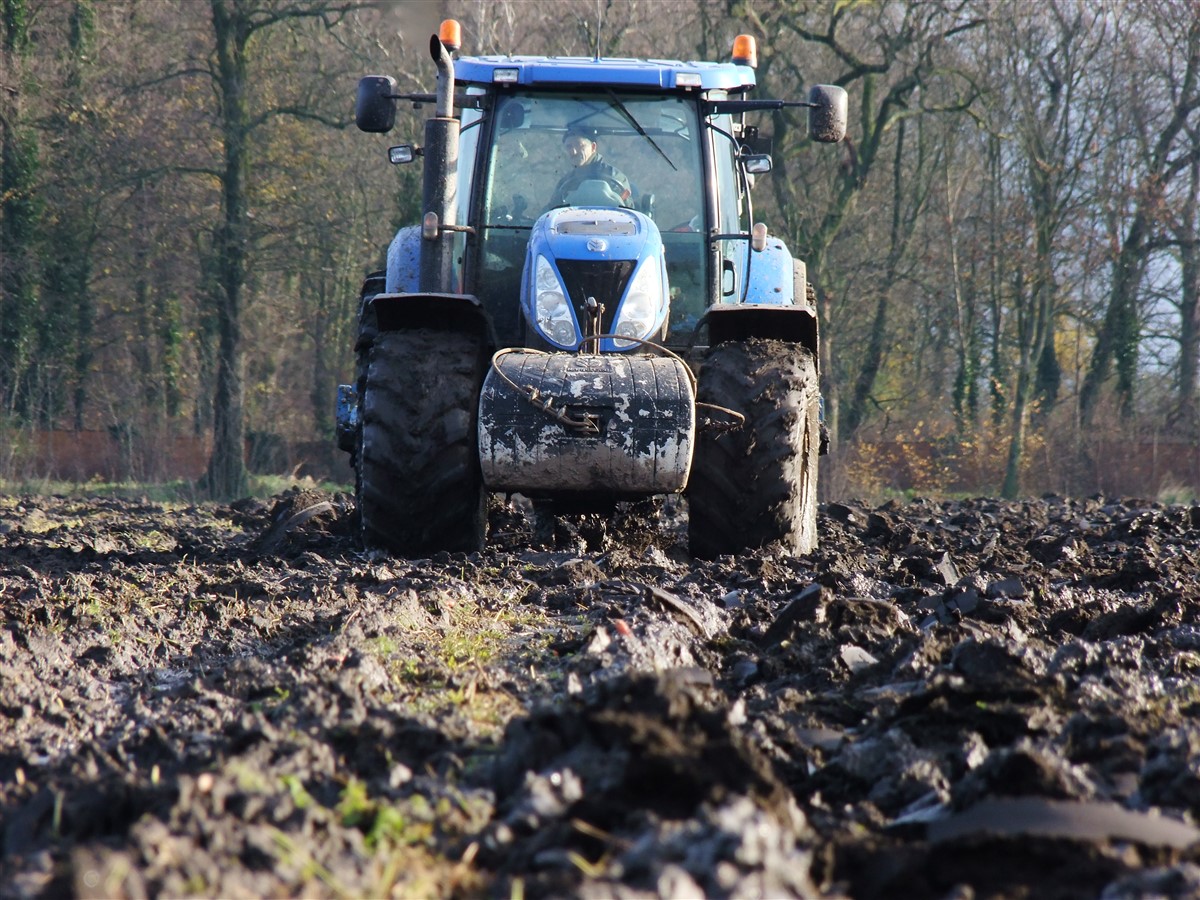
(959, 699)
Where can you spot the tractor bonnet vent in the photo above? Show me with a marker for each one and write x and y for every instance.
(603, 279)
(595, 221)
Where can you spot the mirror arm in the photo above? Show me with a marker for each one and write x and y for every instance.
(472, 101)
(740, 106)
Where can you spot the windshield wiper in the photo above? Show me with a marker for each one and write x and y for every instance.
(640, 130)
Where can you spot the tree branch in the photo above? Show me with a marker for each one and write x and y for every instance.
(295, 112)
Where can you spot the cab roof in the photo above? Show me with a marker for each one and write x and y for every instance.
(548, 71)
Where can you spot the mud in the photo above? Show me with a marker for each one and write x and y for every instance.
(959, 699)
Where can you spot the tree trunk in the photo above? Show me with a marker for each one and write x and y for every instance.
(860, 397)
(1016, 440)
(1035, 330)
(872, 362)
(966, 397)
(1189, 305)
(18, 219)
(227, 475)
(998, 266)
(1115, 338)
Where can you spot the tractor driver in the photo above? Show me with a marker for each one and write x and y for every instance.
(588, 166)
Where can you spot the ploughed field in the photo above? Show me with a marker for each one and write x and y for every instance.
(960, 699)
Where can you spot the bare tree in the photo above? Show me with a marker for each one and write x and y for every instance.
(1162, 46)
(235, 23)
(1189, 256)
(19, 210)
(1056, 107)
(911, 183)
(893, 57)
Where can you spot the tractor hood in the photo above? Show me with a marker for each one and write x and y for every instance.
(595, 264)
(599, 233)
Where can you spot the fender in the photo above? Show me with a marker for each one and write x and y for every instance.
(742, 321)
(456, 312)
(395, 312)
(404, 305)
(794, 320)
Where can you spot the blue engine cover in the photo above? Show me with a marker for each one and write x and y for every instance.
(614, 255)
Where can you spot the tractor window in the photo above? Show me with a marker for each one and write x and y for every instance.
(468, 146)
(652, 141)
(731, 210)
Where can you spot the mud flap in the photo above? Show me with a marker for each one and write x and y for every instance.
(559, 422)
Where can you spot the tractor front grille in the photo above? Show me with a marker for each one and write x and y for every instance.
(605, 280)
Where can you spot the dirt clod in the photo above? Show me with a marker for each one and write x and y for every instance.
(959, 699)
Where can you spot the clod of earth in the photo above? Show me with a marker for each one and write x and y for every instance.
(945, 699)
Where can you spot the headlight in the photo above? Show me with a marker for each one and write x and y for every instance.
(550, 307)
(639, 311)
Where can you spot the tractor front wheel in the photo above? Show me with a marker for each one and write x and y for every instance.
(757, 485)
(419, 484)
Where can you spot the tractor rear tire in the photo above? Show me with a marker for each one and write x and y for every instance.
(419, 485)
(757, 485)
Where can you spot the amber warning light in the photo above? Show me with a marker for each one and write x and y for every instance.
(450, 34)
(745, 51)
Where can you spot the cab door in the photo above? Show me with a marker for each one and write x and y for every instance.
(731, 246)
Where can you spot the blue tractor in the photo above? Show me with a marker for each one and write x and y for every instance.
(593, 335)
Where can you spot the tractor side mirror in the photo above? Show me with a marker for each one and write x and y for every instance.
(757, 163)
(827, 113)
(375, 107)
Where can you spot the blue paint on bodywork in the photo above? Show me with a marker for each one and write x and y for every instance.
(548, 237)
(771, 277)
(404, 261)
(552, 238)
(661, 74)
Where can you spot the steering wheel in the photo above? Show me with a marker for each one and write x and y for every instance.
(518, 213)
(691, 226)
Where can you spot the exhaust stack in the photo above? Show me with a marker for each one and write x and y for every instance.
(438, 197)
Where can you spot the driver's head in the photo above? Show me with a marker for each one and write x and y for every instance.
(580, 146)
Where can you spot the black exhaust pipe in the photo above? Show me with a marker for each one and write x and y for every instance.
(439, 191)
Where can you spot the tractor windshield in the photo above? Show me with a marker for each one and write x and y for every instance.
(593, 149)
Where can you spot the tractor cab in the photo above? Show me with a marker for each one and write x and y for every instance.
(660, 125)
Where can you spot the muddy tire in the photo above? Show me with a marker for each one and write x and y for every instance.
(757, 485)
(419, 485)
(367, 329)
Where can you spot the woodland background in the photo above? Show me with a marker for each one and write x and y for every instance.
(1005, 249)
